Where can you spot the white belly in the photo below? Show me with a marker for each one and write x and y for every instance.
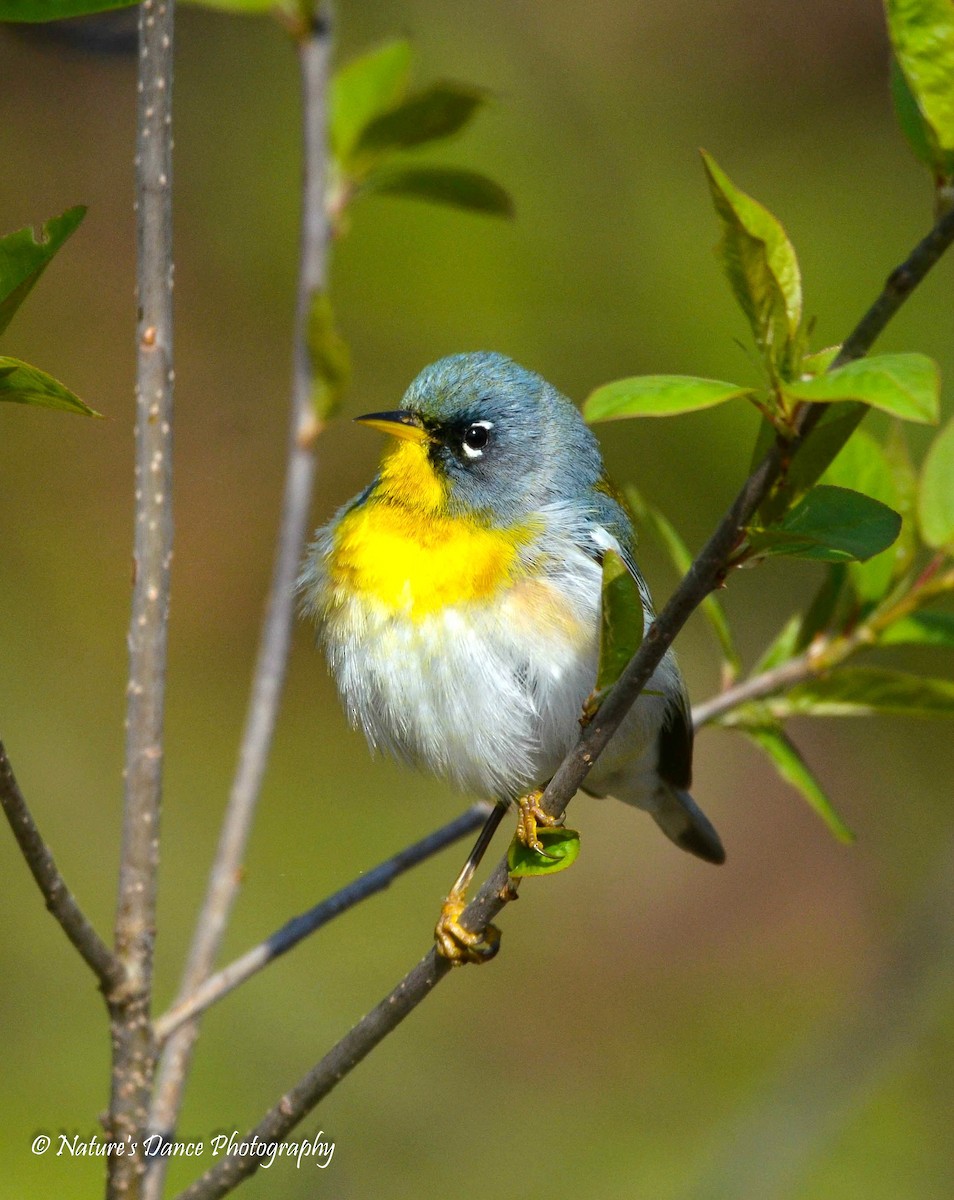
(487, 696)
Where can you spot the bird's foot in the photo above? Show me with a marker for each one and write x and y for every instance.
(459, 945)
(532, 815)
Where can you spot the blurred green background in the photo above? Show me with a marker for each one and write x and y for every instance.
(635, 1035)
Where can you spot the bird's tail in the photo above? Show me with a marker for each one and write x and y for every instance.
(684, 822)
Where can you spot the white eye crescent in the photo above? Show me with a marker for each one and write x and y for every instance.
(476, 436)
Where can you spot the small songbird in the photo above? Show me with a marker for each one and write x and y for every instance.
(458, 602)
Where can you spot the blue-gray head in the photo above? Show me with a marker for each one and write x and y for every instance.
(505, 440)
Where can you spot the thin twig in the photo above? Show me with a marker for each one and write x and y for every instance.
(133, 1048)
(292, 932)
(314, 49)
(766, 683)
(703, 576)
(59, 899)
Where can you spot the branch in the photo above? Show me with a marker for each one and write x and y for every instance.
(298, 928)
(766, 683)
(59, 899)
(133, 1051)
(826, 653)
(703, 576)
(314, 48)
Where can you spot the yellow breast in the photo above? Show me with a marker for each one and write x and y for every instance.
(417, 563)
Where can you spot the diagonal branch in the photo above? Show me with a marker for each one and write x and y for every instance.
(59, 899)
(314, 49)
(217, 986)
(703, 576)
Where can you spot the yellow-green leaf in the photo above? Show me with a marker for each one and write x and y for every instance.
(330, 358)
(55, 10)
(363, 89)
(621, 621)
(657, 396)
(865, 691)
(936, 493)
(437, 112)
(905, 385)
(22, 384)
(921, 629)
(562, 846)
(761, 266)
(452, 186)
(24, 257)
(922, 35)
(863, 465)
(774, 742)
(670, 540)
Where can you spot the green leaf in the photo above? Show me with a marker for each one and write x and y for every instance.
(55, 10)
(330, 358)
(365, 88)
(922, 35)
(904, 477)
(825, 611)
(657, 396)
(830, 524)
(680, 557)
(761, 266)
(24, 257)
(22, 384)
(442, 185)
(921, 629)
(818, 362)
(562, 844)
(437, 112)
(905, 385)
(801, 629)
(833, 430)
(865, 691)
(920, 137)
(936, 493)
(794, 770)
(782, 647)
(863, 465)
(621, 622)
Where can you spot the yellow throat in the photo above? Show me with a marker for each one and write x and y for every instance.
(402, 548)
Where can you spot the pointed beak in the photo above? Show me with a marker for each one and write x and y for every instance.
(400, 424)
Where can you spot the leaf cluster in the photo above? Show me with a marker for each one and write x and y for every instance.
(376, 118)
(922, 85)
(884, 530)
(24, 257)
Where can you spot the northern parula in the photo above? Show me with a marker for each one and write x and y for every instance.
(458, 601)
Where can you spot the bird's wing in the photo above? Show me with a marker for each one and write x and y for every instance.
(676, 735)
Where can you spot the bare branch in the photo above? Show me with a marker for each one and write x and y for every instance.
(298, 928)
(766, 683)
(314, 48)
(703, 576)
(59, 899)
(133, 1050)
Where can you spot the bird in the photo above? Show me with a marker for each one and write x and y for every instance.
(457, 600)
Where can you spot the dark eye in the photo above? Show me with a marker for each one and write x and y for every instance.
(476, 435)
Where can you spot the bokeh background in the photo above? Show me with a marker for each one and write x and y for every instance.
(653, 1028)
